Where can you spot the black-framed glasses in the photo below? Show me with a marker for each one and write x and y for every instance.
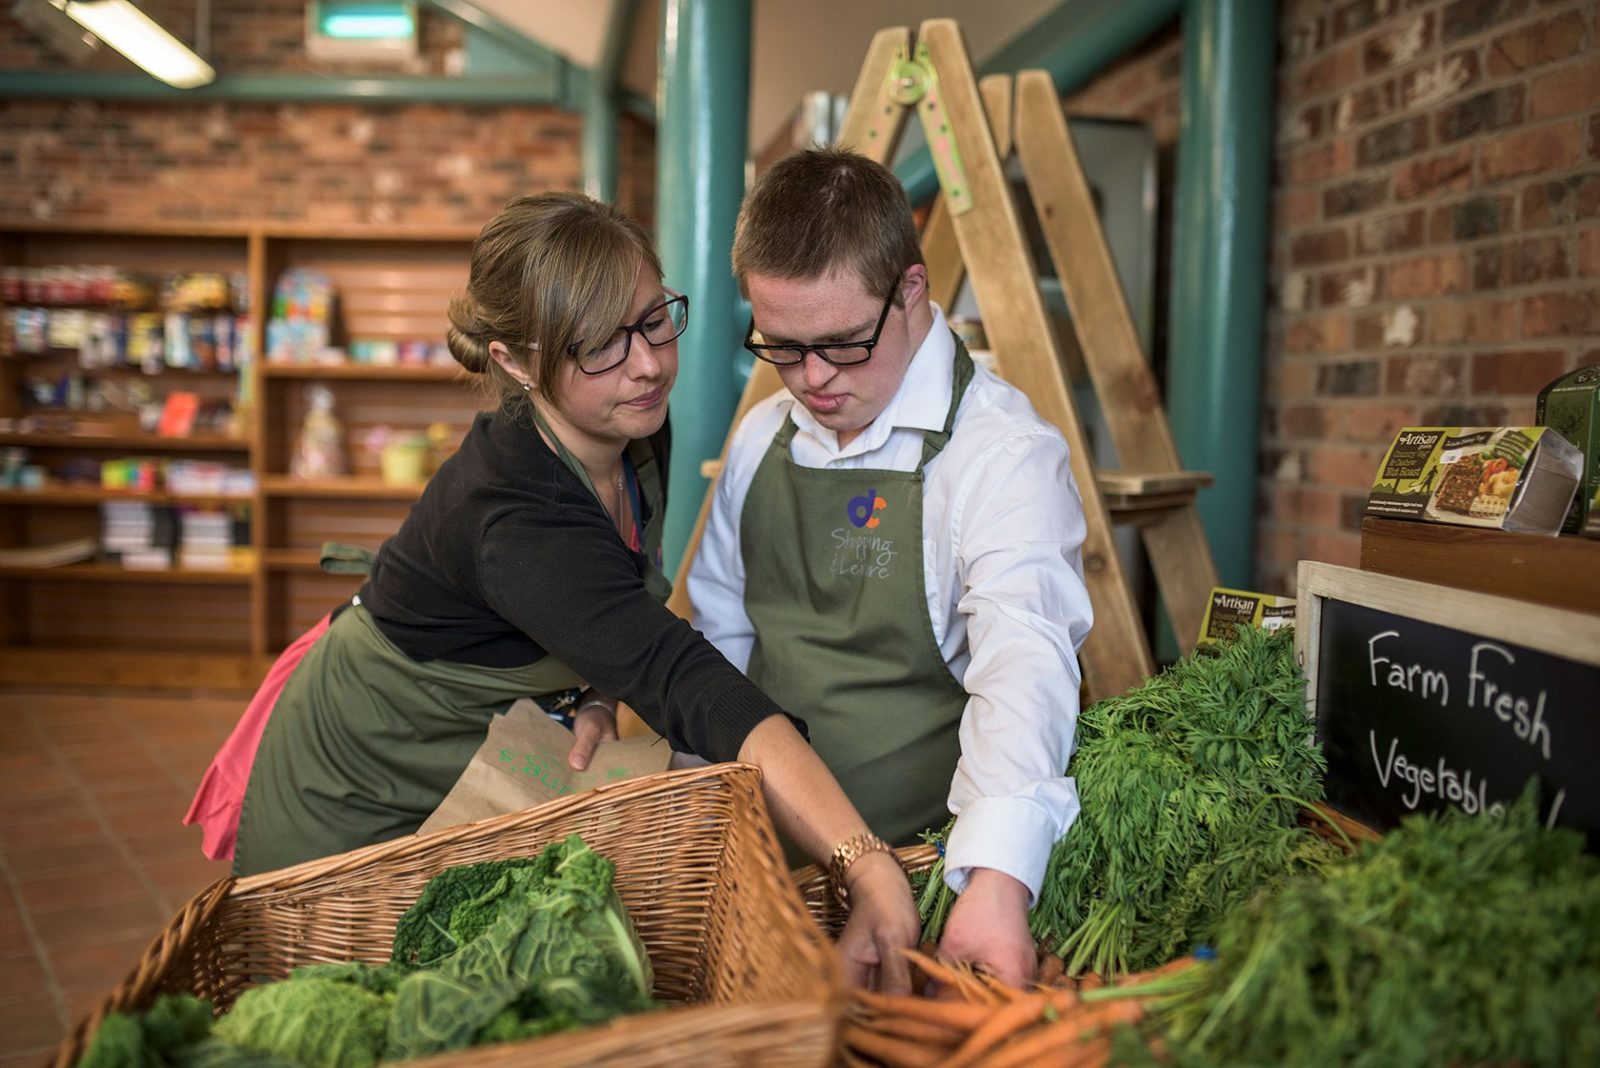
(660, 324)
(839, 354)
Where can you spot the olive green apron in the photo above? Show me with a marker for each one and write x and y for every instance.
(834, 586)
(364, 741)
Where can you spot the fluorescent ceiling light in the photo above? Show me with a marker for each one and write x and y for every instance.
(143, 40)
(366, 20)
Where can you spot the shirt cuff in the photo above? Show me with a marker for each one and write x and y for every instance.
(1012, 835)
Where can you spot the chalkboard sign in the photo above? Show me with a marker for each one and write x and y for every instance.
(1429, 697)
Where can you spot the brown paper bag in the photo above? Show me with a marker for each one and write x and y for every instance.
(523, 763)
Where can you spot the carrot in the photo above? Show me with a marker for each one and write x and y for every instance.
(960, 1015)
(1169, 968)
(996, 1029)
(1064, 1001)
(1006, 993)
(961, 980)
(894, 1052)
(1091, 981)
(1065, 1034)
(1051, 969)
(916, 1030)
(1088, 1054)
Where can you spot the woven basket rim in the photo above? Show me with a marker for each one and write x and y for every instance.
(421, 844)
(823, 975)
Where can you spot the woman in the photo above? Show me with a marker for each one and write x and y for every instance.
(530, 566)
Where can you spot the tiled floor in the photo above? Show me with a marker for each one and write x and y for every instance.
(93, 858)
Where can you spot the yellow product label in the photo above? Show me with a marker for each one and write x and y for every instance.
(1230, 608)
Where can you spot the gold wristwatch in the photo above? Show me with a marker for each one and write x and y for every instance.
(847, 853)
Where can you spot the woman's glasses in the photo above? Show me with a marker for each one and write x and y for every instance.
(657, 326)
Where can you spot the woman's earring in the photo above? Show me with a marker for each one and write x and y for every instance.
(527, 387)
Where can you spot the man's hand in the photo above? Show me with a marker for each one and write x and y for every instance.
(596, 723)
(988, 928)
(883, 921)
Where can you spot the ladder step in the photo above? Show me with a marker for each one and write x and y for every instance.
(1141, 483)
(1139, 499)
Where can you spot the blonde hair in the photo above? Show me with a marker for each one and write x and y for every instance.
(552, 270)
(823, 209)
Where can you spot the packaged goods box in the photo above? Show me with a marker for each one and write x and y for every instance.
(1507, 478)
(1571, 407)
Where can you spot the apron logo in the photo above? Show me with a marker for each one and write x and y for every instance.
(860, 509)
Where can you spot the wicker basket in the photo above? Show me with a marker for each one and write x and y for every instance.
(816, 887)
(698, 867)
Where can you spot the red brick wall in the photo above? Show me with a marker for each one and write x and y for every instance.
(1436, 239)
(384, 165)
(1435, 233)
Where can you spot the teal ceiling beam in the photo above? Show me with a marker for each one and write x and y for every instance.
(701, 146)
(1219, 265)
(1074, 42)
(505, 36)
(291, 89)
(602, 108)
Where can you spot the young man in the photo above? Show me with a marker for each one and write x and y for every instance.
(893, 553)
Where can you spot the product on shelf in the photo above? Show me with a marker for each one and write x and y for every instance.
(1571, 407)
(320, 453)
(114, 318)
(300, 327)
(136, 533)
(1229, 609)
(1510, 478)
(99, 286)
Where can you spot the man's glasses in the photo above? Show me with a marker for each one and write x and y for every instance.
(839, 354)
(657, 326)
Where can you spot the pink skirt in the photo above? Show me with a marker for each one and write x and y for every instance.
(220, 798)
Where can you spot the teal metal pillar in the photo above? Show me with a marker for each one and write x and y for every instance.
(602, 106)
(702, 114)
(1219, 264)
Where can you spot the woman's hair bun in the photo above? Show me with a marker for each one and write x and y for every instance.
(465, 335)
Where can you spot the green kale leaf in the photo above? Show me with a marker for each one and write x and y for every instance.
(151, 1039)
(320, 1023)
(558, 951)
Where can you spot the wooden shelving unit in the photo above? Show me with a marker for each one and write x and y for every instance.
(1562, 572)
(94, 572)
(306, 561)
(100, 623)
(352, 487)
(70, 494)
(152, 443)
(363, 372)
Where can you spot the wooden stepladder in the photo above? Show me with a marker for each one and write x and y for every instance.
(975, 229)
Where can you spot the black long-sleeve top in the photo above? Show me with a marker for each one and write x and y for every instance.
(507, 558)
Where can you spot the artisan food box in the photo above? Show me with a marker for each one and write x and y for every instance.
(1507, 478)
(1571, 407)
(1228, 609)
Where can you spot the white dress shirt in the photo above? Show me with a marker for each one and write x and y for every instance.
(1003, 530)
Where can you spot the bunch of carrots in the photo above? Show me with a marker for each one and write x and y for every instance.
(979, 1022)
